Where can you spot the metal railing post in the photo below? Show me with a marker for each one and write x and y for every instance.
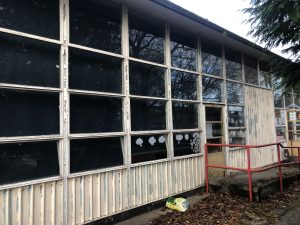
(249, 173)
(206, 166)
(279, 168)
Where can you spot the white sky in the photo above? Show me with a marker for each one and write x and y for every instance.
(225, 13)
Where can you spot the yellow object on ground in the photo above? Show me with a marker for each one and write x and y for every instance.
(179, 204)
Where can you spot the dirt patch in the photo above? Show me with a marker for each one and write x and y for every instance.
(234, 210)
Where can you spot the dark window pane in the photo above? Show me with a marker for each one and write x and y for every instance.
(278, 100)
(146, 80)
(25, 113)
(297, 101)
(95, 72)
(213, 130)
(214, 149)
(148, 148)
(233, 64)
(27, 161)
(183, 50)
(237, 137)
(250, 68)
(279, 117)
(236, 116)
(280, 134)
(28, 62)
(213, 114)
(186, 143)
(289, 101)
(92, 114)
(184, 85)
(96, 24)
(212, 89)
(235, 93)
(40, 17)
(146, 39)
(90, 154)
(211, 55)
(265, 76)
(147, 115)
(185, 115)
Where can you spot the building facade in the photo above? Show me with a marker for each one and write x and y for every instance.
(106, 105)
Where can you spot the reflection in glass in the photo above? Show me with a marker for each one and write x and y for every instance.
(94, 72)
(233, 64)
(289, 101)
(185, 115)
(213, 113)
(186, 143)
(91, 154)
(237, 137)
(146, 39)
(214, 149)
(212, 89)
(278, 99)
(94, 114)
(39, 17)
(297, 101)
(184, 85)
(250, 68)
(147, 114)
(96, 24)
(279, 117)
(280, 134)
(27, 113)
(211, 55)
(146, 80)
(213, 130)
(265, 76)
(235, 93)
(27, 161)
(28, 62)
(148, 147)
(183, 50)
(236, 116)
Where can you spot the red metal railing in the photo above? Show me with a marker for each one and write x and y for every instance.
(249, 170)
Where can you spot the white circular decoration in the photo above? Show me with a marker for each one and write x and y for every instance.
(161, 139)
(152, 140)
(179, 137)
(139, 142)
(186, 137)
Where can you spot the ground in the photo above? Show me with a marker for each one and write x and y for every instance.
(279, 209)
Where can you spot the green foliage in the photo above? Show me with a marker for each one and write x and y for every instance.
(275, 23)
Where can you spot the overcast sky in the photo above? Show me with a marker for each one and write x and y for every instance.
(225, 13)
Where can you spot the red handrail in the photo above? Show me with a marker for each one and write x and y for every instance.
(249, 170)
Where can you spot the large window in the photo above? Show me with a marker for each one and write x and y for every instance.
(250, 70)
(212, 89)
(233, 64)
(265, 76)
(211, 55)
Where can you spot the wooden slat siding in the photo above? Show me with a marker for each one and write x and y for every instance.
(259, 115)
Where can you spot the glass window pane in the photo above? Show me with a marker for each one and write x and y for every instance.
(96, 24)
(25, 113)
(211, 55)
(186, 143)
(146, 38)
(213, 130)
(147, 114)
(91, 154)
(235, 93)
(28, 62)
(236, 116)
(213, 113)
(146, 80)
(212, 89)
(185, 115)
(250, 68)
(279, 117)
(278, 100)
(184, 85)
(233, 64)
(94, 72)
(297, 101)
(289, 104)
(280, 134)
(214, 149)
(265, 75)
(94, 114)
(183, 50)
(148, 147)
(39, 17)
(237, 137)
(28, 161)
